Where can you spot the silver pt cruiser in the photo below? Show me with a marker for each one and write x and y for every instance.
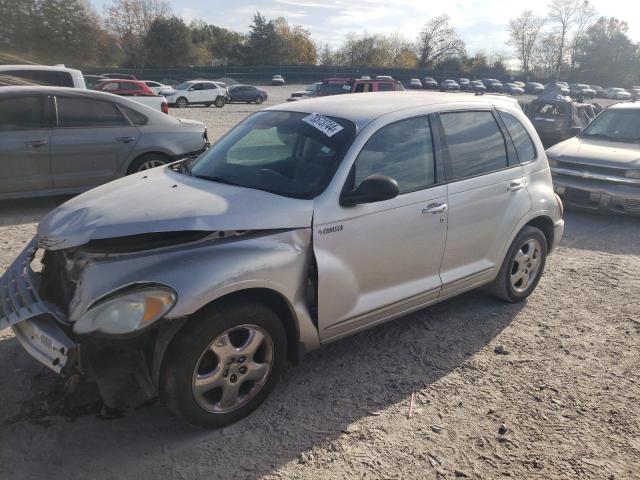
(196, 282)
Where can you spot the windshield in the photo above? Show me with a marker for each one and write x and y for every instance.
(615, 125)
(286, 153)
(184, 86)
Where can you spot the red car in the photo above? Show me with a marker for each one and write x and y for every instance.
(125, 87)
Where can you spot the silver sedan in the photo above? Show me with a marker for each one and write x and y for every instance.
(64, 140)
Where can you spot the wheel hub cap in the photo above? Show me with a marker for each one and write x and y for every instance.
(526, 265)
(233, 369)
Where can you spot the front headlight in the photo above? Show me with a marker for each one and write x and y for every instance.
(632, 174)
(127, 312)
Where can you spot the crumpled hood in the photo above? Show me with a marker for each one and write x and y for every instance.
(600, 153)
(161, 200)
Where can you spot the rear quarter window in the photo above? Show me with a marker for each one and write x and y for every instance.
(521, 140)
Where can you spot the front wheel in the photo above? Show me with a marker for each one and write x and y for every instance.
(182, 102)
(224, 364)
(220, 102)
(522, 266)
(259, 100)
(146, 162)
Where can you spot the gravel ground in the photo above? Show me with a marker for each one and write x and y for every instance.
(561, 372)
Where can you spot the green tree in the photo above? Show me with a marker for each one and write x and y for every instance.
(264, 45)
(168, 43)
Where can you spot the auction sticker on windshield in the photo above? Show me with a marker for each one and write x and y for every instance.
(322, 123)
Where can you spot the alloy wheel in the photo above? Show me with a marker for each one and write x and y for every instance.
(526, 265)
(151, 164)
(233, 368)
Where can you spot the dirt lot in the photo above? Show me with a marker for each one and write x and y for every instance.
(566, 385)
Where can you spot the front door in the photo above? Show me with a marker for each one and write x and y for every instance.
(91, 143)
(380, 260)
(24, 143)
(487, 197)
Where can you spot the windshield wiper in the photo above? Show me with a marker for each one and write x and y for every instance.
(218, 180)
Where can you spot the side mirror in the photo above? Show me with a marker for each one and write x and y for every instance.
(573, 131)
(374, 188)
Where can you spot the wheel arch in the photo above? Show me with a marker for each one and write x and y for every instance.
(156, 151)
(545, 224)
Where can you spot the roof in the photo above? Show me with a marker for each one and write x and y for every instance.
(362, 108)
(625, 106)
(54, 68)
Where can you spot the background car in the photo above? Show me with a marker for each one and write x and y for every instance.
(600, 92)
(384, 77)
(616, 93)
(198, 92)
(464, 83)
(477, 86)
(429, 83)
(492, 84)
(635, 92)
(520, 84)
(92, 81)
(512, 89)
(246, 94)
(124, 87)
(63, 140)
(309, 92)
(156, 87)
(415, 83)
(534, 88)
(448, 85)
(581, 90)
(277, 81)
(55, 76)
(122, 76)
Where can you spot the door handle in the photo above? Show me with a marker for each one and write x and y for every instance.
(435, 208)
(125, 139)
(516, 185)
(36, 143)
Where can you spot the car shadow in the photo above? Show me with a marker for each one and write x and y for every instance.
(601, 231)
(28, 210)
(312, 406)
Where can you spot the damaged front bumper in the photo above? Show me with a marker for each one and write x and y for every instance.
(35, 323)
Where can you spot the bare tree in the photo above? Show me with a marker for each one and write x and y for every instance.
(544, 55)
(437, 41)
(563, 13)
(584, 19)
(524, 31)
(130, 20)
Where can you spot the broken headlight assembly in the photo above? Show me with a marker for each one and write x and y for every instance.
(127, 312)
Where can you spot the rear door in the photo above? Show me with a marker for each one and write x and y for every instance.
(24, 143)
(487, 196)
(91, 142)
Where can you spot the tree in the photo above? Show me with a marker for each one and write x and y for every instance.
(607, 55)
(523, 32)
(585, 17)
(545, 54)
(563, 13)
(217, 45)
(437, 41)
(168, 43)
(297, 46)
(264, 45)
(326, 55)
(130, 21)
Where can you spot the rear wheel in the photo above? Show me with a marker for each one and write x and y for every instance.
(224, 364)
(182, 102)
(145, 162)
(259, 100)
(220, 102)
(522, 266)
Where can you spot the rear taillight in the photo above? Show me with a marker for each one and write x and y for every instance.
(164, 107)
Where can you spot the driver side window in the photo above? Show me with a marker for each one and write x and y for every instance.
(402, 151)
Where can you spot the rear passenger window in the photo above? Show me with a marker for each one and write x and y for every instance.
(23, 113)
(83, 112)
(475, 144)
(402, 151)
(521, 139)
(385, 87)
(136, 118)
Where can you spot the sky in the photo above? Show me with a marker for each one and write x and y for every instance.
(482, 24)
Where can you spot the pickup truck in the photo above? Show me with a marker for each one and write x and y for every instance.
(337, 86)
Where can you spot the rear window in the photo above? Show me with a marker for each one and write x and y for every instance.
(522, 141)
(84, 112)
(475, 144)
(43, 77)
(549, 109)
(23, 113)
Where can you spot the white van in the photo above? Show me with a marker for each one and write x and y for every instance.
(56, 76)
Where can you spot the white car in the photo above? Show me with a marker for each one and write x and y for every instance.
(55, 76)
(618, 94)
(198, 92)
(157, 87)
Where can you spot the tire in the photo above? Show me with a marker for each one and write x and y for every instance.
(210, 343)
(182, 102)
(521, 259)
(220, 102)
(147, 161)
(259, 100)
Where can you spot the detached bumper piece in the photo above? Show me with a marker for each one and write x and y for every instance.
(46, 342)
